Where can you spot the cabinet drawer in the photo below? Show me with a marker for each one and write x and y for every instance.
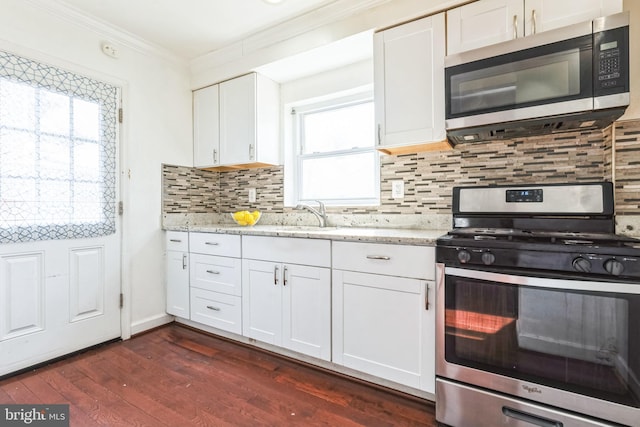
(287, 250)
(216, 273)
(218, 310)
(177, 241)
(393, 260)
(215, 244)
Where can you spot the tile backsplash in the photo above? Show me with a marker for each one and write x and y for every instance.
(611, 155)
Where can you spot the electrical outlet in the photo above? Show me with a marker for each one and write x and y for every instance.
(252, 195)
(397, 189)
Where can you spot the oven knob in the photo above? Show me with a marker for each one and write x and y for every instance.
(582, 264)
(464, 256)
(613, 266)
(488, 258)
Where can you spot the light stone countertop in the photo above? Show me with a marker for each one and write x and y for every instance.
(395, 229)
(343, 233)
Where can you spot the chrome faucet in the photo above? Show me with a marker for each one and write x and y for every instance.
(320, 213)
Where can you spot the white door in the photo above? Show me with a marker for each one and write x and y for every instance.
(484, 23)
(409, 82)
(262, 301)
(206, 127)
(237, 120)
(382, 327)
(59, 228)
(545, 15)
(306, 311)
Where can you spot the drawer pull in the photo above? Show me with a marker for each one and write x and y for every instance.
(210, 307)
(211, 243)
(382, 257)
(175, 240)
(213, 272)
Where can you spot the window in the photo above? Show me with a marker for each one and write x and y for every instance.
(336, 160)
(57, 153)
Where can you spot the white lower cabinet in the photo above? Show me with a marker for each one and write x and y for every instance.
(215, 281)
(216, 309)
(369, 307)
(286, 293)
(177, 270)
(384, 311)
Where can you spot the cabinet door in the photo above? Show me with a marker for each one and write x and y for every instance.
(262, 301)
(238, 120)
(206, 126)
(306, 313)
(544, 15)
(381, 326)
(178, 283)
(484, 23)
(409, 83)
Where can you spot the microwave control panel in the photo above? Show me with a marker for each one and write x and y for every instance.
(611, 59)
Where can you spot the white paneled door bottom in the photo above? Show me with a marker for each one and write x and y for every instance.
(57, 297)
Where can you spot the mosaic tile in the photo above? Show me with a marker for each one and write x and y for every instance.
(430, 176)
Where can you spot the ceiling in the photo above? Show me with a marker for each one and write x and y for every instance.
(189, 29)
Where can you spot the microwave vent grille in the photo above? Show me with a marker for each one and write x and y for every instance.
(587, 121)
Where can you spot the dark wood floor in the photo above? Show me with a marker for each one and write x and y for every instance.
(174, 376)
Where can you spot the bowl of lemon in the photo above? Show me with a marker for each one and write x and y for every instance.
(245, 218)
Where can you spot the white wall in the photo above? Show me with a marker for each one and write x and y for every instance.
(156, 130)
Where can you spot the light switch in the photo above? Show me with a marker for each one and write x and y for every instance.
(252, 195)
(397, 189)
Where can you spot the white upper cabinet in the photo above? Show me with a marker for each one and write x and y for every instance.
(545, 15)
(409, 86)
(206, 127)
(487, 22)
(236, 123)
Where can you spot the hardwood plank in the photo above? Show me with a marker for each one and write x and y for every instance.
(175, 376)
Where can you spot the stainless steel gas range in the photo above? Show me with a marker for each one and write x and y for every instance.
(538, 320)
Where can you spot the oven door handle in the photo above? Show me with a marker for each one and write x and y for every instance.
(529, 418)
(544, 282)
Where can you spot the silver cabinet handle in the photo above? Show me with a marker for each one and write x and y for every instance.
(533, 21)
(251, 152)
(215, 156)
(212, 243)
(175, 240)
(515, 26)
(213, 272)
(379, 134)
(426, 296)
(382, 257)
(210, 307)
(184, 261)
(284, 276)
(275, 275)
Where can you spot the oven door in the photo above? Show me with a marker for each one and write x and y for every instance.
(573, 344)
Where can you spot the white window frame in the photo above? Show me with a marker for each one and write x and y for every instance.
(327, 104)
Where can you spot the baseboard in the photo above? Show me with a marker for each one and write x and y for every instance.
(150, 323)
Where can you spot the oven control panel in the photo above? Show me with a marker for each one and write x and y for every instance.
(531, 195)
(582, 264)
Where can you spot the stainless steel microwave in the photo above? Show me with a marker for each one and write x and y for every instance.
(571, 78)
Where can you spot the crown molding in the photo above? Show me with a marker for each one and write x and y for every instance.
(114, 34)
(305, 23)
